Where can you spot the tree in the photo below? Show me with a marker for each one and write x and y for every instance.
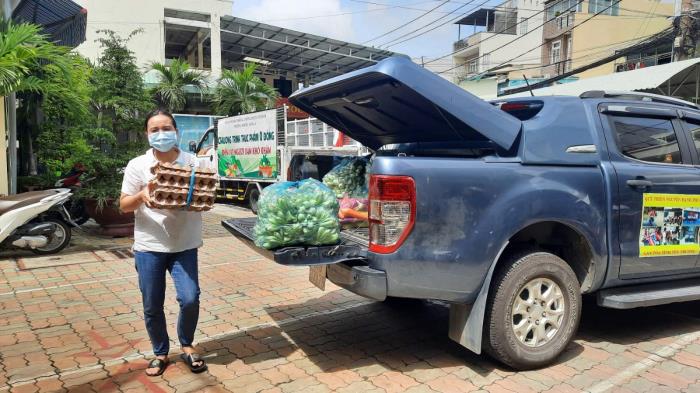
(173, 81)
(23, 51)
(239, 92)
(36, 70)
(120, 103)
(119, 97)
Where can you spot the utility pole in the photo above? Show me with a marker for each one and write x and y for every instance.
(684, 45)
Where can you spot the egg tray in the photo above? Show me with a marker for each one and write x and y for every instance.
(176, 198)
(175, 175)
(171, 185)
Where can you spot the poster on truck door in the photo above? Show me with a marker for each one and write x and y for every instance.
(670, 225)
(247, 146)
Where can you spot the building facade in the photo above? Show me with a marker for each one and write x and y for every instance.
(577, 33)
(209, 38)
(500, 34)
(158, 22)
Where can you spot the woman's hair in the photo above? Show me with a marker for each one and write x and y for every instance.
(157, 112)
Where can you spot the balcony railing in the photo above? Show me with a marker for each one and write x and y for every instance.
(648, 61)
(466, 42)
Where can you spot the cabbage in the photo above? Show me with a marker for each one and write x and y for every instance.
(297, 213)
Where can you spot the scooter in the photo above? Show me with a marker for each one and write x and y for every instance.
(36, 220)
(73, 180)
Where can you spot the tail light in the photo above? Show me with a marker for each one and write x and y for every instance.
(392, 212)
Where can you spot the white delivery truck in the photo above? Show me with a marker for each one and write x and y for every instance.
(255, 150)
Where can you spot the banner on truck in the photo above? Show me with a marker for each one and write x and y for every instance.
(191, 128)
(670, 225)
(248, 146)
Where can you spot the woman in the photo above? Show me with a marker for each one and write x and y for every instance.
(164, 240)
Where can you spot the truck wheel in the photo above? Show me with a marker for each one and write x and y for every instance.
(533, 310)
(253, 198)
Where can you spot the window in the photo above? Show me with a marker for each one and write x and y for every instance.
(563, 7)
(523, 25)
(647, 139)
(695, 133)
(486, 60)
(555, 52)
(605, 7)
(569, 53)
(473, 66)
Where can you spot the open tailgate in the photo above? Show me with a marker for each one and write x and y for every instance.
(353, 246)
(397, 101)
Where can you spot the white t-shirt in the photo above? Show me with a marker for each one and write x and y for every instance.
(161, 230)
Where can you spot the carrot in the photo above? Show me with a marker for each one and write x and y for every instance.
(350, 213)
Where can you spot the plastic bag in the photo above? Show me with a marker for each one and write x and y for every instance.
(349, 177)
(353, 212)
(297, 213)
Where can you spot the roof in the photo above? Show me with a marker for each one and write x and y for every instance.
(476, 18)
(673, 79)
(63, 20)
(313, 56)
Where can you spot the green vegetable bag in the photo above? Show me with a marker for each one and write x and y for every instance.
(348, 177)
(297, 213)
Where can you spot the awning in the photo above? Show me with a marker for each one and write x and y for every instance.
(476, 18)
(315, 57)
(680, 79)
(63, 20)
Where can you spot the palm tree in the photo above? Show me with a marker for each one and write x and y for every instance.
(173, 81)
(24, 50)
(239, 92)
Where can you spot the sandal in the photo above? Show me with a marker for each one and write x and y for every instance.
(160, 364)
(192, 358)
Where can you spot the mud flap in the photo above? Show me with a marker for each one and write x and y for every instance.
(467, 320)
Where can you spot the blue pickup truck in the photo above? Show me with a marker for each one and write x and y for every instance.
(510, 211)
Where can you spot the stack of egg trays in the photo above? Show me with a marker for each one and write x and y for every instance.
(172, 184)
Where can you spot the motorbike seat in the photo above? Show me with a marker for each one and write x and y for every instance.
(11, 202)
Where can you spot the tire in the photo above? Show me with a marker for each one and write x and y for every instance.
(253, 198)
(53, 247)
(511, 306)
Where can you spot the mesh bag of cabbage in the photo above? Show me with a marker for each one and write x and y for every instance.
(297, 213)
(348, 177)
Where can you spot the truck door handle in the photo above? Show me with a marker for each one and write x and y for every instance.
(639, 183)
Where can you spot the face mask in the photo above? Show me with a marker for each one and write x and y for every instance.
(163, 141)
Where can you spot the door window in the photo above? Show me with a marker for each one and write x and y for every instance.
(694, 130)
(647, 139)
(206, 144)
(555, 55)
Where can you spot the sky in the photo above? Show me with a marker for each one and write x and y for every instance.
(360, 21)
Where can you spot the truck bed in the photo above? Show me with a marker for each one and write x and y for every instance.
(353, 246)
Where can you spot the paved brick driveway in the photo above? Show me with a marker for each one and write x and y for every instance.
(79, 328)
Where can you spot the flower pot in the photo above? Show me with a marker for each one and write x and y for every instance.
(112, 222)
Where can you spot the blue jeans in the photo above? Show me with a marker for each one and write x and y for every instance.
(151, 268)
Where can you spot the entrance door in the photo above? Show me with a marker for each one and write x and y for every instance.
(658, 191)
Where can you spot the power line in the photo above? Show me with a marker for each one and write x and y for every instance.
(523, 35)
(545, 22)
(407, 23)
(638, 39)
(499, 32)
(394, 41)
(641, 39)
(620, 53)
(545, 42)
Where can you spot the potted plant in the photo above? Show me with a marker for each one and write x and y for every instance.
(119, 102)
(102, 204)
